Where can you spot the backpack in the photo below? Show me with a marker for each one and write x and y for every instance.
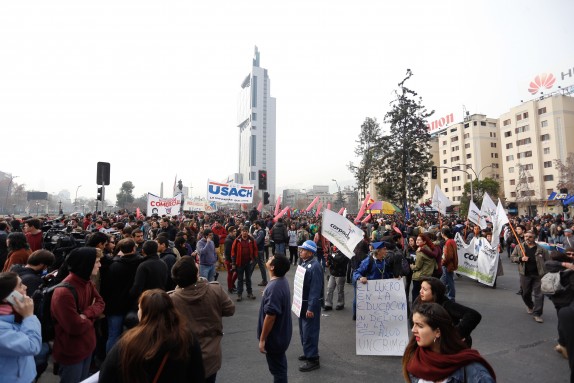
(42, 308)
(302, 236)
(550, 283)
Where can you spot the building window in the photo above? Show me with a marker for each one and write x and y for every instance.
(444, 143)
(454, 148)
(506, 122)
(525, 115)
(466, 135)
(253, 151)
(544, 124)
(492, 134)
(454, 159)
(446, 190)
(512, 182)
(469, 155)
(518, 117)
(444, 171)
(524, 141)
(444, 181)
(510, 158)
(528, 167)
(547, 164)
(466, 125)
(482, 123)
(522, 129)
(509, 146)
(467, 146)
(456, 178)
(546, 150)
(507, 134)
(513, 194)
(454, 139)
(493, 144)
(527, 193)
(444, 162)
(253, 116)
(495, 166)
(511, 170)
(474, 123)
(545, 137)
(254, 92)
(524, 154)
(444, 152)
(252, 176)
(549, 177)
(542, 110)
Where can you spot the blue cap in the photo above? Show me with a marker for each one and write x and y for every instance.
(309, 245)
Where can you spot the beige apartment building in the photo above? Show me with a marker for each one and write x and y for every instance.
(533, 135)
(467, 150)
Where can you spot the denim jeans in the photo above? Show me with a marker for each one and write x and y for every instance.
(115, 327)
(207, 272)
(280, 248)
(261, 262)
(74, 373)
(447, 278)
(277, 364)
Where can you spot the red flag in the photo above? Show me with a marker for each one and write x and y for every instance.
(260, 206)
(341, 211)
(312, 204)
(281, 214)
(277, 204)
(319, 209)
(367, 218)
(363, 207)
(328, 205)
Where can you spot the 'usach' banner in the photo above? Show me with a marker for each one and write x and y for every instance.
(163, 206)
(229, 192)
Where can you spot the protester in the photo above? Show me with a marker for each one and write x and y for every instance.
(436, 353)
(18, 250)
(274, 328)
(464, 319)
(424, 265)
(203, 305)
(33, 234)
(161, 348)
(231, 273)
(207, 255)
(32, 272)
(337, 264)
(243, 253)
(530, 258)
(310, 314)
(449, 262)
(151, 272)
(20, 334)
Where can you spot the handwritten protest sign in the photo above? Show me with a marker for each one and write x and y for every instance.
(298, 290)
(381, 326)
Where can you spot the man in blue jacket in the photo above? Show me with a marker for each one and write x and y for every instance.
(310, 315)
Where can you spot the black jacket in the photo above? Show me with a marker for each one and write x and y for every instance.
(32, 279)
(564, 297)
(150, 274)
(169, 258)
(338, 264)
(227, 246)
(119, 281)
(279, 233)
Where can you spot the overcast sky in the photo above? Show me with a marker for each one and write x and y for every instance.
(152, 87)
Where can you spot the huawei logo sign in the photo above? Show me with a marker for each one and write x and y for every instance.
(544, 80)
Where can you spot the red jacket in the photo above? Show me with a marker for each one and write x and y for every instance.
(75, 336)
(220, 232)
(237, 250)
(18, 257)
(35, 241)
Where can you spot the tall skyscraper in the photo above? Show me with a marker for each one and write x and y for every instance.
(256, 122)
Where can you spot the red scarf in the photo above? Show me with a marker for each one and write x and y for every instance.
(429, 365)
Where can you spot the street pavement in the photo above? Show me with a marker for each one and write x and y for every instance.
(518, 348)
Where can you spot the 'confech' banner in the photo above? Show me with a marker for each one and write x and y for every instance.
(163, 206)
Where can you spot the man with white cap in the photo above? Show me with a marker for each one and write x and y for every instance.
(568, 239)
(310, 315)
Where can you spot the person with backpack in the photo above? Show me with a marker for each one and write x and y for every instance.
(280, 236)
(373, 267)
(74, 310)
(21, 338)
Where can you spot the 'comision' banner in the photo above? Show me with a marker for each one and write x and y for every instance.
(477, 259)
(381, 327)
(208, 207)
(229, 192)
(163, 206)
(341, 232)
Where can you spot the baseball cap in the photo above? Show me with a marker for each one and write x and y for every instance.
(568, 231)
(379, 245)
(309, 245)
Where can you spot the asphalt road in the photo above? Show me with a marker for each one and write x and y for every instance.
(519, 349)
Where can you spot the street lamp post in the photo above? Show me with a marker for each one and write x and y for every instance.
(477, 176)
(76, 198)
(339, 196)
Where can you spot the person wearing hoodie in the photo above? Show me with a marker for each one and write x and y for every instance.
(119, 280)
(31, 273)
(203, 304)
(75, 338)
(20, 337)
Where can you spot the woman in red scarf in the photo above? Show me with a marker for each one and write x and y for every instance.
(436, 353)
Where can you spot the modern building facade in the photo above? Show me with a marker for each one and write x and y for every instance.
(533, 135)
(257, 128)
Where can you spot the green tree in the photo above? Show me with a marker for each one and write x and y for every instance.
(367, 150)
(125, 196)
(405, 160)
(566, 170)
(488, 185)
(140, 202)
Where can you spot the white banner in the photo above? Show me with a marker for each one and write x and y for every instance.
(229, 192)
(381, 327)
(163, 206)
(474, 215)
(500, 219)
(208, 207)
(298, 290)
(341, 232)
(477, 259)
(487, 209)
(440, 201)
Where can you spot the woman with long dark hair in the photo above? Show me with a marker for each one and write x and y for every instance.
(436, 353)
(18, 250)
(161, 348)
(424, 265)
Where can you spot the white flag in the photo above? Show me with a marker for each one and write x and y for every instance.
(488, 209)
(500, 220)
(474, 215)
(440, 201)
(341, 232)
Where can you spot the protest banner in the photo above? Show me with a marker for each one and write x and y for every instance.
(298, 290)
(439, 200)
(229, 192)
(341, 232)
(477, 259)
(163, 206)
(208, 207)
(382, 318)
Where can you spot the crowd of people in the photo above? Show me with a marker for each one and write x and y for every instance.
(140, 298)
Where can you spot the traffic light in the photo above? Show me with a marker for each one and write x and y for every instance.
(100, 191)
(262, 179)
(265, 198)
(434, 173)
